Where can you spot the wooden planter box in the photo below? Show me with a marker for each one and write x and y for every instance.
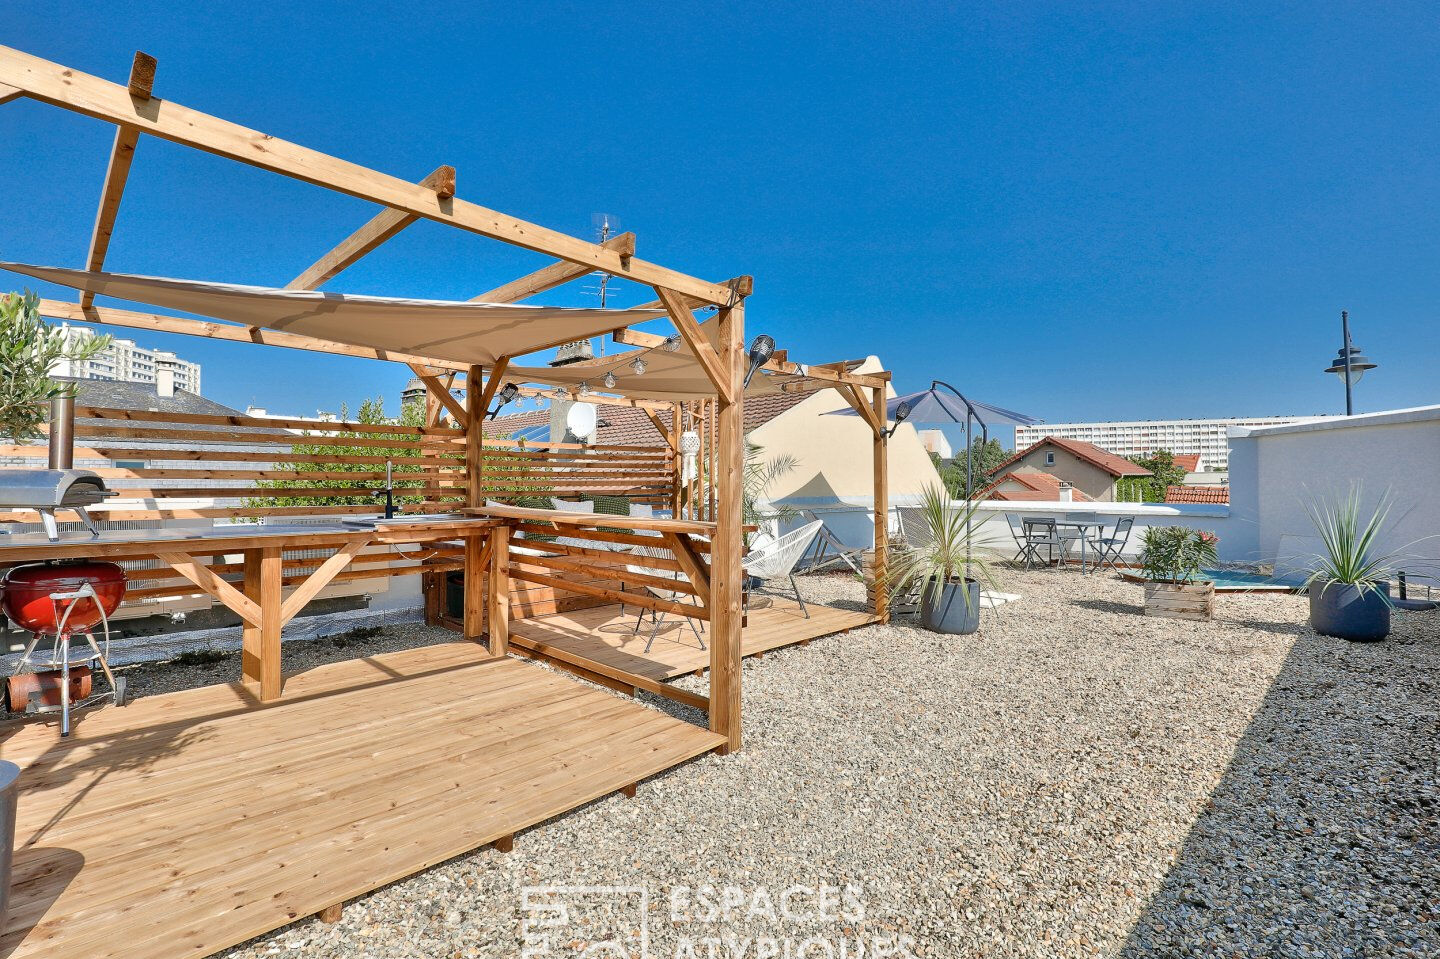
(1180, 600)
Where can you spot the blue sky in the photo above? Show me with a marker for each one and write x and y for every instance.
(1076, 210)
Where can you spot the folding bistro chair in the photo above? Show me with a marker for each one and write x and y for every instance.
(1109, 548)
(1044, 533)
(818, 556)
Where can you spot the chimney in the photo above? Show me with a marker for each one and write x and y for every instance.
(62, 433)
(164, 382)
(1067, 492)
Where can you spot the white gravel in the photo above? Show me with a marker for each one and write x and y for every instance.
(1075, 780)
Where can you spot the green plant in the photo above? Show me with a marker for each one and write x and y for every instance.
(986, 457)
(1150, 489)
(759, 474)
(1175, 554)
(947, 555)
(29, 349)
(1349, 536)
(371, 412)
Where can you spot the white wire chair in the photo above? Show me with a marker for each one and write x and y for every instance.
(913, 527)
(777, 559)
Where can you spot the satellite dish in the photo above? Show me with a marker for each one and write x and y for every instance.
(580, 420)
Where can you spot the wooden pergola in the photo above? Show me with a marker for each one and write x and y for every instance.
(176, 762)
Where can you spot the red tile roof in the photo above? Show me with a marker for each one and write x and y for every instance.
(1039, 487)
(1197, 494)
(1089, 452)
(1189, 462)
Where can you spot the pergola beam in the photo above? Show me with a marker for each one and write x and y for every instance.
(829, 372)
(556, 274)
(92, 96)
(122, 155)
(110, 316)
(384, 225)
(703, 349)
(8, 93)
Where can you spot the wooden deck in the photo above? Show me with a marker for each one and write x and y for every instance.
(604, 642)
(188, 822)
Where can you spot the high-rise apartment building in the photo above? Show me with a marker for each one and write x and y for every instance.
(1139, 437)
(126, 362)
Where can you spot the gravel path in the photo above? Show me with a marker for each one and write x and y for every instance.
(1075, 780)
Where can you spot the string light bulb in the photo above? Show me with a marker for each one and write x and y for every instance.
(672, 343)
(609, 381)
(638, 365)
(584, 387)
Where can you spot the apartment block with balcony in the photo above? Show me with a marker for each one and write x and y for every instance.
(127, 362)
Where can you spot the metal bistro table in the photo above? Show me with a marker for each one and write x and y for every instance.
(1081, 526)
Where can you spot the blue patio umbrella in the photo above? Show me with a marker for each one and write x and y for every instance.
(933, 406)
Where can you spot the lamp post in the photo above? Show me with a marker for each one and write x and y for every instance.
(1350, 365)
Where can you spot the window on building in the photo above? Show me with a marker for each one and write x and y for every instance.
(1049, 458)
(131, 464)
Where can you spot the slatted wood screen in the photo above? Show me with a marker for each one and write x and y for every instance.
(196, 469)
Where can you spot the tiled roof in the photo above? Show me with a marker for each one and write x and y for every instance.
(1189, 462)
(1197, 494)
(1039, 487)
(123, 395)
(1089, 452)
(628, 426)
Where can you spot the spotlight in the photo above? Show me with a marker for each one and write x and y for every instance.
(761, 349)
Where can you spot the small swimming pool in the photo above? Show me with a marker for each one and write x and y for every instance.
(1234, 581)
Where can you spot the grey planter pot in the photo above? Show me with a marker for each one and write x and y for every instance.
(9, 797)
(947, 611)
(1343, 611)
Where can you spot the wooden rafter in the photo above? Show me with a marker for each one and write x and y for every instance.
(492, 384)
(441, 392)
(860, 403)
(130, 319)
(740, 285)
(92, 96)
(384, 225)
(8, 93)
(704, 351)
(556, 274)
(122, 155)
(666, 432)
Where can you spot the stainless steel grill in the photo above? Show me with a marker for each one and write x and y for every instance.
(45, 491)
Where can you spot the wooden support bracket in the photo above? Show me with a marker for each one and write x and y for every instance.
(319, 579)
(207, 582)
(694, 337)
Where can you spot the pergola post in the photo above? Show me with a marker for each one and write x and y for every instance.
(725, 551)
(476, 582)
(880, 454)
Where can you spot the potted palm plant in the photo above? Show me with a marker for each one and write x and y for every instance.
(945, 570)
(1171, 558)
(1349, 584)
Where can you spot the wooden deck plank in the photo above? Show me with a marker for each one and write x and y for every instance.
(600, 639)
(189, 822)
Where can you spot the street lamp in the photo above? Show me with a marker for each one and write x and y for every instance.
(1350, 364)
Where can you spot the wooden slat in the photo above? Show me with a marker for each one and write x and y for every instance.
(592, 520)
(259, 422)
(620, 574)
(8, 93)
(615, 596)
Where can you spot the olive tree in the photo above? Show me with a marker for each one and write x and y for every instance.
(29, 350)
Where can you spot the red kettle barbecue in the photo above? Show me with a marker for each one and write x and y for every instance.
(57, 600)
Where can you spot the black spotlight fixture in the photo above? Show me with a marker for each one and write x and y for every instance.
(761, 349)
(1350, 365)
(902, 413)
(508, 392)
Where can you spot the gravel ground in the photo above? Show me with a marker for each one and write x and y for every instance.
(1075, 780)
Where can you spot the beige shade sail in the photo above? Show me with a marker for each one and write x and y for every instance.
(459, 332)
(673, 376)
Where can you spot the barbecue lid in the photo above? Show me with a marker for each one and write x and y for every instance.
(44, 487)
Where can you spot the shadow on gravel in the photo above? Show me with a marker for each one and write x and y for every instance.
(1109, 606)
(1321, 837)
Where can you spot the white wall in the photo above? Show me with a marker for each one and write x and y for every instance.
(1286, 467)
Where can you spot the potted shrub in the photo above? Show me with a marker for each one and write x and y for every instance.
(1349, 584)
(1171, 558)
(944, 570)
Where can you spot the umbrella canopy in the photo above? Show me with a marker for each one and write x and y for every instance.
(932, 406)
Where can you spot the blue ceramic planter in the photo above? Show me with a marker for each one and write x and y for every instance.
(1347, 612)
